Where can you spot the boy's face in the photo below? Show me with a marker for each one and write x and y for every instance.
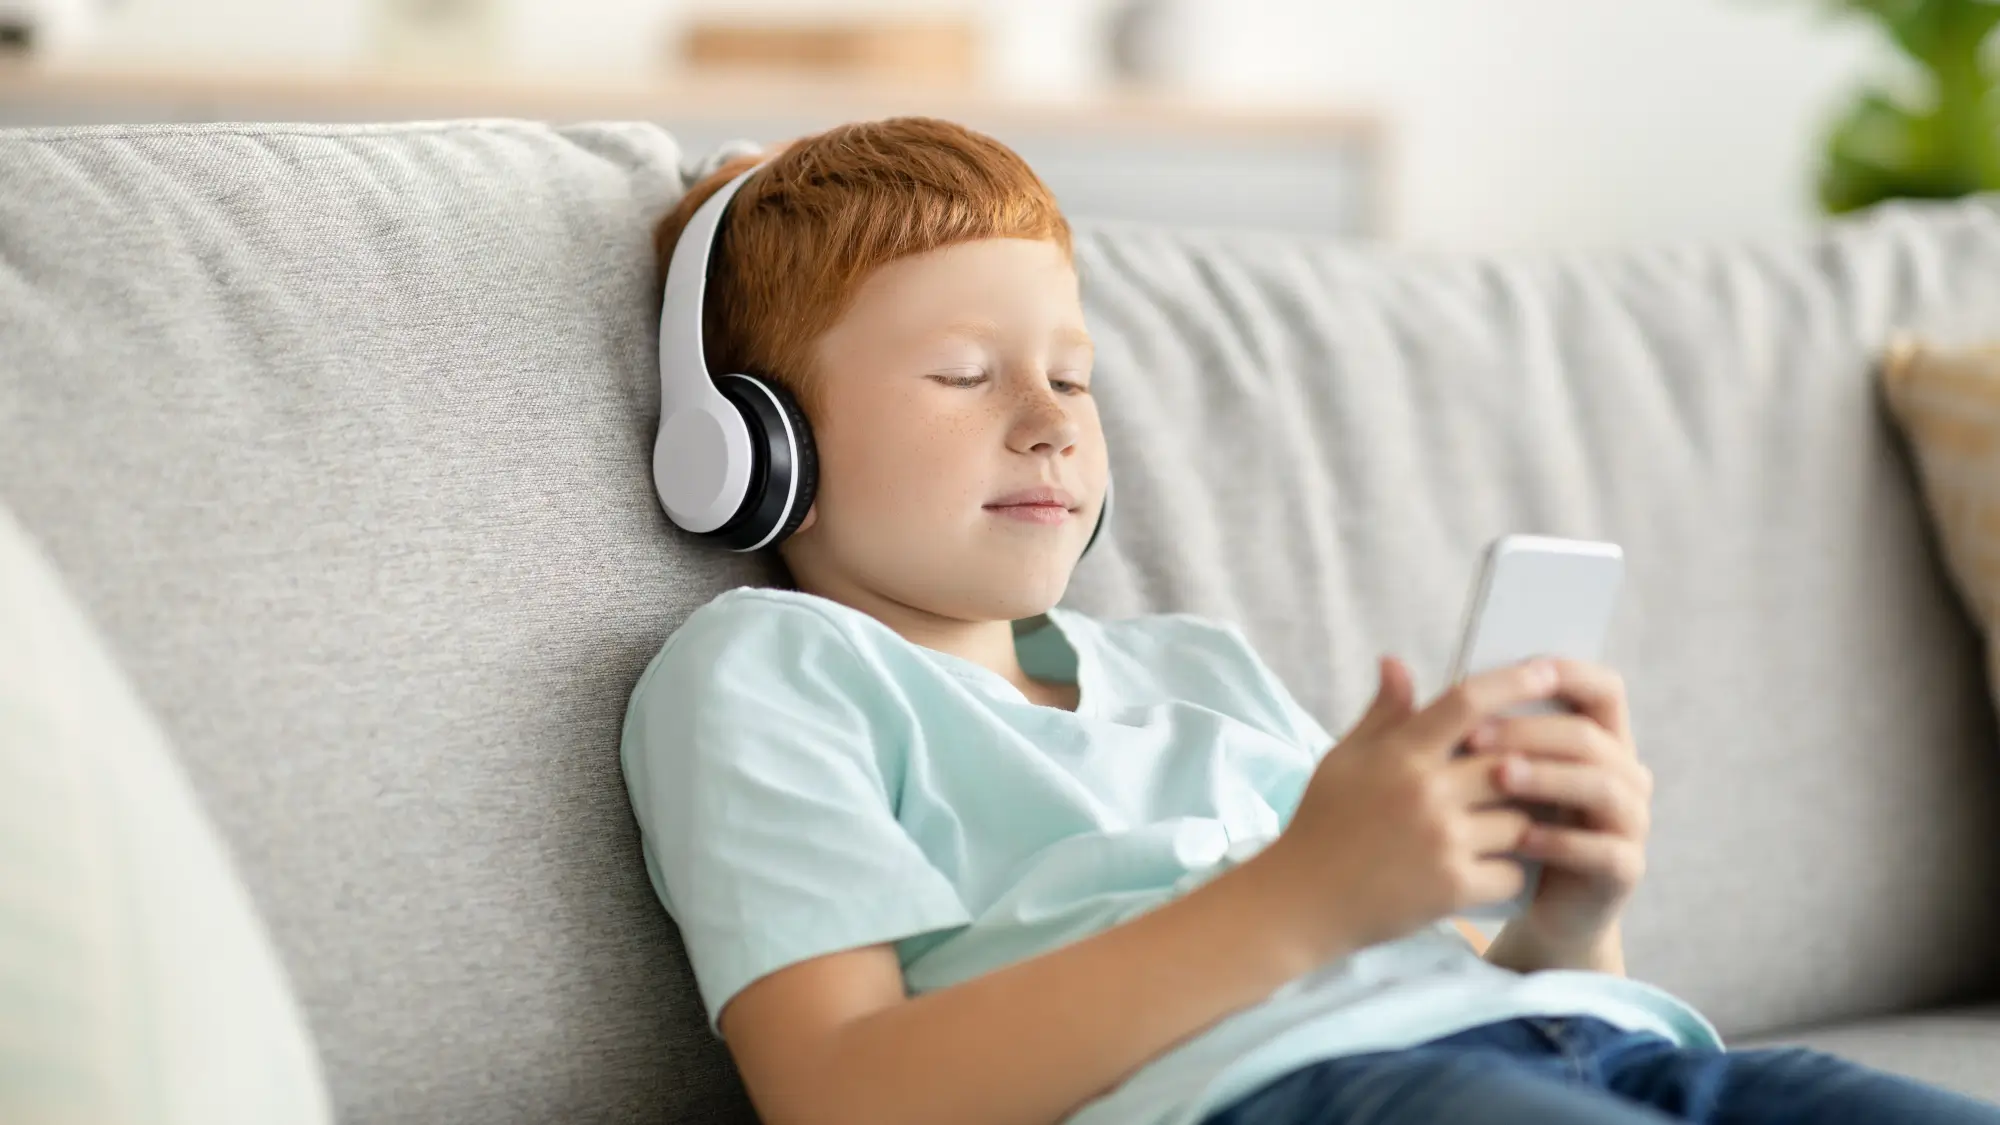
(956, 382)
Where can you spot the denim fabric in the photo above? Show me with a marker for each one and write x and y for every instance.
(1583, 1071)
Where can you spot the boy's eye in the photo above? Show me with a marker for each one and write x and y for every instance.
(1068, 385)
(968, 378)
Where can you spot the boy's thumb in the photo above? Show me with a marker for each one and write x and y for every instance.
(1392, 699)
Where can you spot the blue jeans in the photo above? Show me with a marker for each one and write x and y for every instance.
(1582, 1071)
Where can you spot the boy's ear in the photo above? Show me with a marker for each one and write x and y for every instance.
(812, 517)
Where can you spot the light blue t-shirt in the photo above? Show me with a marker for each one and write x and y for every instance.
(807, 781)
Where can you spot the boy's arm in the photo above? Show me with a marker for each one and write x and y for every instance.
(1517, 948)
(1392, 832)
(834, 1040)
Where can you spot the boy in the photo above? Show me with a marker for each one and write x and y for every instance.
(942, 852)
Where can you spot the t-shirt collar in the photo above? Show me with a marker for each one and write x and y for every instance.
(1049, 649)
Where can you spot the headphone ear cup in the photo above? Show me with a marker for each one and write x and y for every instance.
(784, 469)
(1103, 517)
(805, 458)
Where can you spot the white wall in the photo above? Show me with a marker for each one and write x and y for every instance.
(1514, 122)
(1565, 121)
(202, 32)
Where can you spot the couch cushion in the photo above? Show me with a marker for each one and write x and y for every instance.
(1316, 440)
(342, 434)
(139, 986)
(1954, 1048)
(1947, 401)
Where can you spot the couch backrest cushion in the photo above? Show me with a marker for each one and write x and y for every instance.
(342, 435)
(1316, 441)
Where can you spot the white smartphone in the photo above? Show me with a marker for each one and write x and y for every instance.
(1534, 596)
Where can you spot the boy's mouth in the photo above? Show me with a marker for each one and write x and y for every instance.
(1035, 505)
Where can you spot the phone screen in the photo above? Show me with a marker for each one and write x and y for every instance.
(1537, 596)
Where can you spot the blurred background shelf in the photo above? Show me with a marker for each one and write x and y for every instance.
(1123, 155)
(1442, 124)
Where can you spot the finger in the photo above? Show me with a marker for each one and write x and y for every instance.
(1392, 699)
(1568, 737)
(1496, 831)
(1596, 692)
(1598, 855)
(1494, 880)
(1608, 799)
(1396, 675)
(1474, 781)
(1442, 725)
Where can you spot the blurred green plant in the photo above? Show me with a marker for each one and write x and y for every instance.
(1936, 142)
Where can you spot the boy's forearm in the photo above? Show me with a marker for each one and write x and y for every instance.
(1519, 949)
(1029, 1043)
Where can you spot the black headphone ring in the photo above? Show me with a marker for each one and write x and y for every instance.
(784, 464)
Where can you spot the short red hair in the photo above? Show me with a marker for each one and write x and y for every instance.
(826, 211)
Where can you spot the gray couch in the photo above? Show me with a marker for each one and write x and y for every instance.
(342, 432)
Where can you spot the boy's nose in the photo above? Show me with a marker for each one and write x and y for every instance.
(1046, 426)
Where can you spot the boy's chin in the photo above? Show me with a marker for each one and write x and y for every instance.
(1010, 595)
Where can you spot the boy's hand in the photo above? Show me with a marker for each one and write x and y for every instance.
(1584, 763)
(1394, 830)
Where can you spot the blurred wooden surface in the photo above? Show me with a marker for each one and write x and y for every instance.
(925, 52)
(1147, 156)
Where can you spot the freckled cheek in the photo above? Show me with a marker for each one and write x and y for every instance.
(942, 471)
(915, 467)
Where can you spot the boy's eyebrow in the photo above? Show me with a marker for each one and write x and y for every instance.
(982, 329)
(977, 329)
(1076, 337)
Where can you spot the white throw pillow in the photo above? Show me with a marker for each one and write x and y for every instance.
(136, 982)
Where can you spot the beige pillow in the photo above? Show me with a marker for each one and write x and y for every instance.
(136, 983)
(1948, 404)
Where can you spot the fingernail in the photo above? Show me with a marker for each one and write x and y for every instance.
(1515, 772)
(1481, 736)
(1545, 672)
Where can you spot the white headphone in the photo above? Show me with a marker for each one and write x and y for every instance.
(734, 460)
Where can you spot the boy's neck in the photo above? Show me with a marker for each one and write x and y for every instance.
(989, 644)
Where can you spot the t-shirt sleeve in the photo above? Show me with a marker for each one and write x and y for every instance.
(761, 753)
(1277, 712)
(1292, 720)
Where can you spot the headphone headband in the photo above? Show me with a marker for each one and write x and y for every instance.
(708, 454)
(684, 374)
